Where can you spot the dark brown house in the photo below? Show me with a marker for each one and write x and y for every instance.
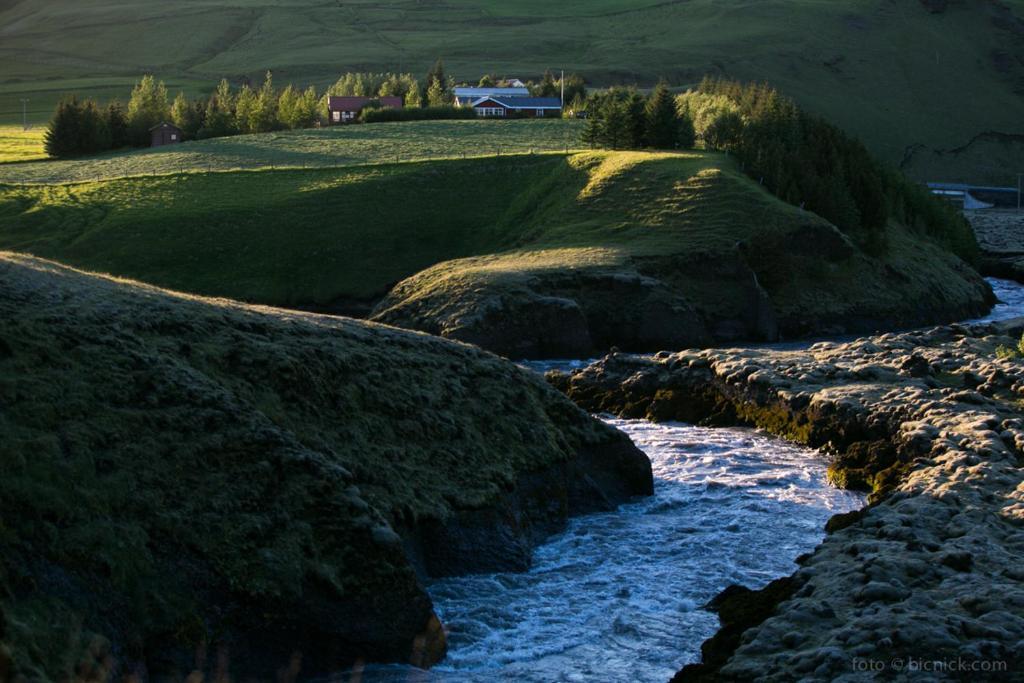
(165, 134)
(346, 109)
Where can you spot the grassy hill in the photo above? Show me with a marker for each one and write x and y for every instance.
(917, 80)
(685, 239)
(184, 476)
(324, 147)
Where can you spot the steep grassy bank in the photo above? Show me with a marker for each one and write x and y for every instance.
(554, 255)
(648, 251)
(186, 480)
(920, 81)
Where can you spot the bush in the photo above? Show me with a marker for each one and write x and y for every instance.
(77, 129)
(391, 114)
(1008, 353)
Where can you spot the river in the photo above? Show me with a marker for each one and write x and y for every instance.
(619, 596)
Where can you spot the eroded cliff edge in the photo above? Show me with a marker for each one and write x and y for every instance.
(195, 484)
(930, 422)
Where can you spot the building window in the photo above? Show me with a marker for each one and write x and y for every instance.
(491, 111)
(174, 136)
(336, 115)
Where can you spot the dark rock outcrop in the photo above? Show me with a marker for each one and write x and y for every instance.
(195, 485)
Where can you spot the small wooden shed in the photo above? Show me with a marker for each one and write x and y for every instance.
(165, 134)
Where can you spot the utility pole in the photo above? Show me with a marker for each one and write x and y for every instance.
(562, 82)
(24, 113)
(1019, 176)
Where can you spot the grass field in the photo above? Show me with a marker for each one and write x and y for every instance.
(339, 239)
(911, 82)
(337, 146)
(17, 144)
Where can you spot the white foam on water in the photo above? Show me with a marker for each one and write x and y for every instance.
(1011, 300)
(618, 595)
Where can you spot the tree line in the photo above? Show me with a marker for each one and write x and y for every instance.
(82, 126)
(807, 161)
(622, 118)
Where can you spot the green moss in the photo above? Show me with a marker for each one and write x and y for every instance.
(176, 468)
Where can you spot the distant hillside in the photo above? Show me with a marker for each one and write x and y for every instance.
(933, 84)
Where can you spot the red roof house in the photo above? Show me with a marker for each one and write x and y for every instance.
(346, 109)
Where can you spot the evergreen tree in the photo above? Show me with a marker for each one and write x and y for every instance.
(288, 108)
(661, 119)
(95, 134)
(636, 126)
(117, 124)
(187, 115)
(436, 94)
(436, 75)
(147, 107)
(62, 137)
(225, 98)
(413, 94)
(219, 119)
(309, 106)
(245, 106)
(687, 133)
(77, 128)
(263, 116)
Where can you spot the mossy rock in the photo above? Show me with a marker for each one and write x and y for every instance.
(183, 475)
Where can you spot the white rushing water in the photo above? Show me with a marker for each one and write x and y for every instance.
(1011, 300)
(618, 596)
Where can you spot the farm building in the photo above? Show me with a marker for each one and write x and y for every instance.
(346, 109)
(165, 134)
(499, 106)
(465, 97)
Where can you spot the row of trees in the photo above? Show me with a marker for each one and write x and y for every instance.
(622, 118)
(82, 127)
(437, 89)
(805, 160)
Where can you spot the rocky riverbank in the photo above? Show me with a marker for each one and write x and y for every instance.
(199, 485)
(931, 423)
(1000, 234)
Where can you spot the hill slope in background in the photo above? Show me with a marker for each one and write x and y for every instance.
(934, 85)
(184, 475)
(531, 256)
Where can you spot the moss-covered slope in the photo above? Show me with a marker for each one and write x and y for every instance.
(535, 255)
(649, 251)
(186, 477)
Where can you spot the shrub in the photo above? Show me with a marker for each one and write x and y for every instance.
(1007, 352)
(390, 114)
